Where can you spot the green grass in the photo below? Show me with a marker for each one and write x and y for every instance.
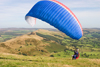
(68, 54)
(9, 60)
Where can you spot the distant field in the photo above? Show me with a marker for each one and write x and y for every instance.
(10, 33)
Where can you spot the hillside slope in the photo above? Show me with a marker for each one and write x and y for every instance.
(32, 44)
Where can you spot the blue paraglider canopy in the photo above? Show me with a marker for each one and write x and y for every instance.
(57, 15)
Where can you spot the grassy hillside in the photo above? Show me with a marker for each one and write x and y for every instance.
(13, 60)
(30, 44)
(44, 42)
(89, 46)
(46, 48)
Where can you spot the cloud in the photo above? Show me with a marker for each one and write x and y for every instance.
(82, 3)
(12, 13)
(89, 19)
(87, 11)
(17, 10)
(3, 1)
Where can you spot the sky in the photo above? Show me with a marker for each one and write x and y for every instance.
(12, 13)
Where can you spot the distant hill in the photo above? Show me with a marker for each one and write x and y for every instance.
(9, 33)
(30, 44)
(46, 42)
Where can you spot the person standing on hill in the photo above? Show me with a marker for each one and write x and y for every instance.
(76, 54)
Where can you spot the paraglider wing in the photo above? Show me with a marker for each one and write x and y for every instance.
(57, 15)
(30, 20)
